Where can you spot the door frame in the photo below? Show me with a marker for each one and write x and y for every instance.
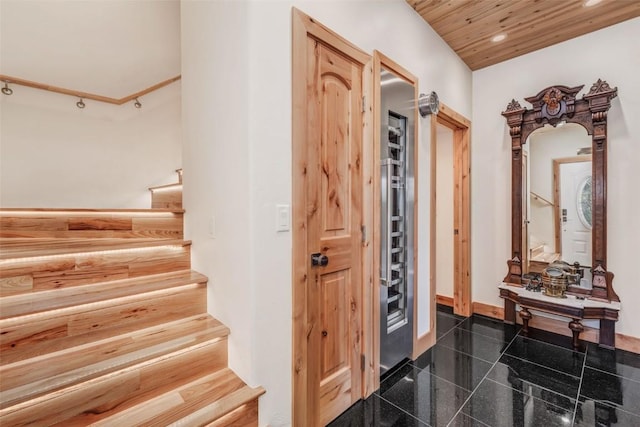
(305, 410)
(380, 60)
(461, 127)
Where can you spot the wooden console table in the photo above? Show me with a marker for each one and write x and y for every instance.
(571, 307)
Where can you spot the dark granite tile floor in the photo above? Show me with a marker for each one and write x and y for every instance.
(483, 373)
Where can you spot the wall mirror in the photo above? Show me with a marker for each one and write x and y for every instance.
(557, 196)
(559, 183)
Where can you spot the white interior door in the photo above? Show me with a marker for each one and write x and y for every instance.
(575, 211)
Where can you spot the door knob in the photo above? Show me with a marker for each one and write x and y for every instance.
(318, 259)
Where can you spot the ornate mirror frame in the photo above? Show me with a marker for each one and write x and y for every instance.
(551, 106)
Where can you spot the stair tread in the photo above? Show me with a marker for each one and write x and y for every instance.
(88, 210)
(42, 333)
(98, 398)
(177, 185)
(42, 374)
(205, 399)
(34, 302)
(35, 247)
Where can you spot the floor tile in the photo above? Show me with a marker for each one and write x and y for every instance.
(491, 328)
(429, 398)
(538, 381)
(475, 345)
(375, 412)
(456, 367)
(463, 420)
(441, 308)
(611, 389)
(445, 323)
(500, 406)
(619, 362)
(592, 413)
(398, 375)
(556, 339)
(549, 355)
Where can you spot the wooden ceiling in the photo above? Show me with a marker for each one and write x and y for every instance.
(469, 25)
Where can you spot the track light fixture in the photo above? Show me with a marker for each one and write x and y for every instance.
(137, 104)
(80, 104)
(6, 89)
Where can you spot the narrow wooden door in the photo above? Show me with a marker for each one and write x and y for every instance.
(328, 236)
(334, 202)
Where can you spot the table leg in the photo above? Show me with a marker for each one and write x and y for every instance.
(525, 315)
(509, 312)
(576, 327)
(607, 333)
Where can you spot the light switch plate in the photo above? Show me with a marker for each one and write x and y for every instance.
(283, 218)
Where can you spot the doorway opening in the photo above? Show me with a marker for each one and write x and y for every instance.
(451, 211)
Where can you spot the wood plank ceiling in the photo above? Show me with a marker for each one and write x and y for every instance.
(469, 25)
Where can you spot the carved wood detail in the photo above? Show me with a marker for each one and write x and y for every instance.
(554, 105)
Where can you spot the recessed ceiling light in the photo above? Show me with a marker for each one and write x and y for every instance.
(589, 3)
(499, 38)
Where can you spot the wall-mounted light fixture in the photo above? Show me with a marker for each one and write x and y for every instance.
(6, 89)
(137, 104)
(80, 104)
(428, 104)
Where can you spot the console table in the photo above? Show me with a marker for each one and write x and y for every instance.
(571, 307)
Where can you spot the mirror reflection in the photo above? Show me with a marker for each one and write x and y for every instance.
(557, 201)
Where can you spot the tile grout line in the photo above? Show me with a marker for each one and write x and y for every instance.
(575, 408)
(481, 381)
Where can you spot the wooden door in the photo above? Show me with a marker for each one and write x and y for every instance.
(575, 178)
(328, 194)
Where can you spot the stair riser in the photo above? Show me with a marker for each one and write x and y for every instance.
(64, 224)
(97, 398)
(21, 381)
(34, 302)
(167, 199)
(57, 272)
(53, 331)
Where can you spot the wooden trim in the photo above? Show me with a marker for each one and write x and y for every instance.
(444, 300)
(427, 340)
(556, 195)
(381, 60)
(87, 95)
(304, 406)
(300, 412)
(375, 301)
(370, 267)
(462, 205)
(488, 310)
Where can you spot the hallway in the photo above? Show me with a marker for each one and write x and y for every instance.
(482, 372)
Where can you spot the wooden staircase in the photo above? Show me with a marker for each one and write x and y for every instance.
(103, 322)
(167, 196)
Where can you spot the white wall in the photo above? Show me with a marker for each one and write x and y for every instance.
(105, 156)
(611, 54)
(444, 212)
(237, 157)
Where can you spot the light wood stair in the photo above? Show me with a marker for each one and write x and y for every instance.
(167, 196)
(110, 331)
